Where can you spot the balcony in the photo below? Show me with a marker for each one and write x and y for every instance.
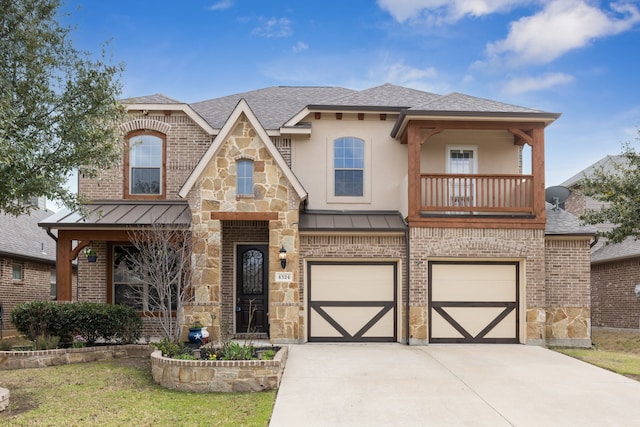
(461, 194)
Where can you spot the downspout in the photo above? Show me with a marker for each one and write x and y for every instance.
(53, 236)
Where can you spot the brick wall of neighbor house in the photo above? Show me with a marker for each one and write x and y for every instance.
(186, 143)
(383, 247)
(475, 244)
(575, 204)
(613, 300)
(35, 286)
(568, 291)
(236, 232)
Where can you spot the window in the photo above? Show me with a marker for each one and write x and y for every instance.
(244, 183)
(145, 165)
(54, 286)
(128, 286)
(17, 273)
(348, 164)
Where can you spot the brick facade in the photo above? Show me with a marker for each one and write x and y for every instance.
(613, 300)
(186, 143)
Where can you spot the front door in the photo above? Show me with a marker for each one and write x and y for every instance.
(252, 294)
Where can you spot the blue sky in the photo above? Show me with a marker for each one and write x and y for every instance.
(580, 58)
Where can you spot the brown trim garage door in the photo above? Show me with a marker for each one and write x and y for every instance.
(352, 301)
(474, 302)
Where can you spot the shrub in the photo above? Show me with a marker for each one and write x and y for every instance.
(91, 320)
(171, 349)
(235, 351)
(46, 342)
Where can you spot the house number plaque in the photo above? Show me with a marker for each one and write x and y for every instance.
(284, 276)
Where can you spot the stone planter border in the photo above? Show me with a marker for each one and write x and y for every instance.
(203, 376)
(66, 356)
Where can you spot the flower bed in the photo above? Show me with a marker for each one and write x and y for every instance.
(67, 356)
(203, 376)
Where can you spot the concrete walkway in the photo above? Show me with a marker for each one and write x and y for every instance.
(449, 385)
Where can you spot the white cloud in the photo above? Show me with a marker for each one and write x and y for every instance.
(403, 74)
(445, 10)
(519, 85)
(563, 25)
(300, 47)
(274, 28)
(221, 5)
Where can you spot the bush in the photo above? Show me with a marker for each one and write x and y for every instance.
(90, 320)
(47, 342)
(172, 349)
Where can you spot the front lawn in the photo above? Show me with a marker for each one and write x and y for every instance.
(615, 350)
(121, 392)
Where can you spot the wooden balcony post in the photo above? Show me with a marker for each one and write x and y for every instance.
(413, 153)
(537, 168)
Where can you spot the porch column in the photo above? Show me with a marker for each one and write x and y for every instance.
(64, 269)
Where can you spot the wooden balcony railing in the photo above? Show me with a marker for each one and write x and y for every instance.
(477, 194)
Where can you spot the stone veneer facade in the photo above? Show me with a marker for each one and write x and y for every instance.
(213, 196)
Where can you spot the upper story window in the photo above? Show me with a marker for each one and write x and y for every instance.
(244, 184)
(348, 165)
(144, 165)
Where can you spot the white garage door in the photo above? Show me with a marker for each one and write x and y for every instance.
(473, 302)
(352, 302)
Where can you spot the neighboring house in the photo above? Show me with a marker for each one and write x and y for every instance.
(615, 268)
(27, 262)
(402, 216)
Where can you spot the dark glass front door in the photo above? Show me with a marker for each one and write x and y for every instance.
(252, 278)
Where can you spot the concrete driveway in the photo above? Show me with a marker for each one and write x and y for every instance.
(449, 385)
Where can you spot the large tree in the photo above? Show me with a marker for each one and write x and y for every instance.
(618, 188)
(59, 109)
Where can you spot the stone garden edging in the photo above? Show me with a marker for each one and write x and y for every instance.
(66, 356)
(203, 376)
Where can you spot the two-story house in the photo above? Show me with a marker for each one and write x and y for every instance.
(386, 214)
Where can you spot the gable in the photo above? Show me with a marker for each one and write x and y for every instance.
(241, 137)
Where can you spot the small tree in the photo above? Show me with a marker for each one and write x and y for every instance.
(161, 265)
(619, 190)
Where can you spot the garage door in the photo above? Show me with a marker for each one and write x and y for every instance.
(352, 302)
(473, 302)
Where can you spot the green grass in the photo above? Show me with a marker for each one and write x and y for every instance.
(121, 393)
(617, 351)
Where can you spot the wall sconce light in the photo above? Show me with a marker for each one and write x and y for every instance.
(283, 257)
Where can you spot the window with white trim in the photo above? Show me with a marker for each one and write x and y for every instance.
(17, 273)
(244, 184)
(348, 166)
(145, 165)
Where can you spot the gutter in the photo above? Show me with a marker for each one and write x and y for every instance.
(53, 236)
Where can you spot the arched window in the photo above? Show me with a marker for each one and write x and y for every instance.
(145, 165)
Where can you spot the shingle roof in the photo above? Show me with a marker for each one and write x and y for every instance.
(21, 236)
(462, 102)
(122, 214)
(386, 95)
(607, 164)
(273, 106)
(561, 222)
(628, 248)
(158, 98)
